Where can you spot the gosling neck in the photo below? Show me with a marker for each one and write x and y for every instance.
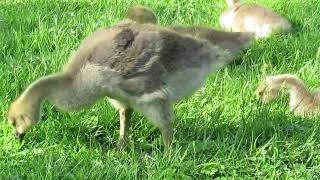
(295, 87)
(39, 90)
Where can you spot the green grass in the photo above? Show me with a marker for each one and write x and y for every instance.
(220, 132)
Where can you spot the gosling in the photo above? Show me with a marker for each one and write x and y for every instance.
(141, 67)
(302, 101)
(261, 20)
(141, 14)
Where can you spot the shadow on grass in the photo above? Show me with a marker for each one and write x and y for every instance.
(206, 139)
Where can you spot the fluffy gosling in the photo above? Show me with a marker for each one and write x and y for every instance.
(141, 14)
(302, 100)
(261, 20)
(141, 67)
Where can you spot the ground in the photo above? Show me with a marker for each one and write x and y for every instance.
(222, 131)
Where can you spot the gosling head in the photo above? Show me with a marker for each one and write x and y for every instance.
(266, 91)
(22, 116)
(141, 14)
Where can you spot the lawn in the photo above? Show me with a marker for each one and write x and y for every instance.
(222, 131)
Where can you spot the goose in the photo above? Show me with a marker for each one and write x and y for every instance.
(141, 14)
(138, 67)
(261, 20)
(302, 100)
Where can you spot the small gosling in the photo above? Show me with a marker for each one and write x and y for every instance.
(261, 20)
(141, 14)
(302, 101)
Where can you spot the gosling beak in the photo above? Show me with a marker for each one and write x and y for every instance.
(20, 136)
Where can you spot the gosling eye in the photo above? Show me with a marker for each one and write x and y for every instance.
(260, 93)
(13, 122)
(273, 90)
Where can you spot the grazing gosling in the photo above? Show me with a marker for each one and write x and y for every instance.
(302, 101)
(139, 67)
(141, 14)
(261, 20)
